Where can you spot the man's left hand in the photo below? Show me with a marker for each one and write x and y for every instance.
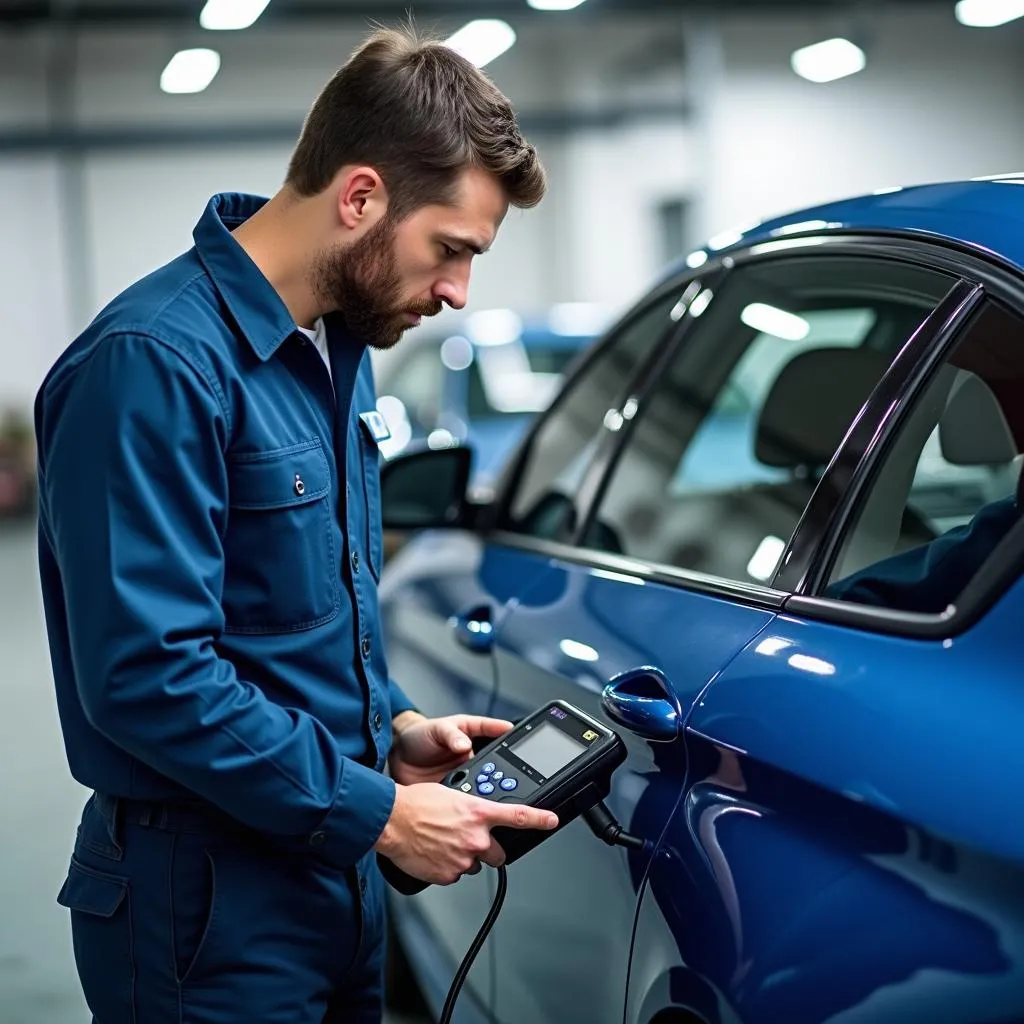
(427, 749)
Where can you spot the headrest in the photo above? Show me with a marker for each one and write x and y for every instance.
(973, 430)
(812, 404)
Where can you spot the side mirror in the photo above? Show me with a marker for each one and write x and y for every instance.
(425, 489)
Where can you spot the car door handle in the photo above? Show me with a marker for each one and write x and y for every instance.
(474, 629)
(641, 700)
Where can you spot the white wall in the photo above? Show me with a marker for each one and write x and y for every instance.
(936, 101)
(763, 141)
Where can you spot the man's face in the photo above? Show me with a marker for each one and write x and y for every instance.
(397, 273)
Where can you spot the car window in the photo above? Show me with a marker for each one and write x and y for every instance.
(561, 448)
(514, 379)
(724, 454)
(946, 491)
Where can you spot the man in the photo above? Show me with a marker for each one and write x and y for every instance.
(210, 544)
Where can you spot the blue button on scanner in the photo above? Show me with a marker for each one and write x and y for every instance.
(485, 787)
(498, 776)
(489, 767)
(509, 784)
(483, 778)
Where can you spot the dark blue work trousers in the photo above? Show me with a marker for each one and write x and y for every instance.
(181, 917)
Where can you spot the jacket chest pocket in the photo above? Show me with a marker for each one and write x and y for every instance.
(281, 569)
(370, 454)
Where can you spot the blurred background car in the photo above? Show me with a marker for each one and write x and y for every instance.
(480, 378)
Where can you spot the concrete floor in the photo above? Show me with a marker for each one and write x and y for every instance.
(39, 808)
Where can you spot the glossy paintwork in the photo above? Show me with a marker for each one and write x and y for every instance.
(850, 846)
(568, 636)
(986, 215)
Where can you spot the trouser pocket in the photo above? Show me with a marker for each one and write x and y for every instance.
(101, 929)
(193, 902)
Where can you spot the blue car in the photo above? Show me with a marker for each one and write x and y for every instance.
(768, 531)
(479, 379)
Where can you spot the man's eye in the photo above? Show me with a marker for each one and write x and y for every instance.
(449, 252)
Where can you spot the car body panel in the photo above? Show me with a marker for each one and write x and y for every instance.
(431, 581)
(566, 637)
(985, 215)
(850, 846)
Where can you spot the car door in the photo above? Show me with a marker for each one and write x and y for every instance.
(700, 480)
(849, 845)
(443, 601)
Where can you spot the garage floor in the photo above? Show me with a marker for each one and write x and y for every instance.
(39, 808)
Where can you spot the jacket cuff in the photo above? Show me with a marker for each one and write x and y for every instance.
(360, 812)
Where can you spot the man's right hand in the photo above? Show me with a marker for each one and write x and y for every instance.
(438, 835)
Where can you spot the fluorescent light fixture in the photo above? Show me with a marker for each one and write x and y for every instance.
(494, 326)
(777, 322)
(581, 652)
(231, 14)
(988, 13)
(553, 5)
(482, 40)
(828, 60)
(190, 70)
(766, 558)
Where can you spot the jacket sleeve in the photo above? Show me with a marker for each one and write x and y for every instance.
(134, 492)
(399, 701)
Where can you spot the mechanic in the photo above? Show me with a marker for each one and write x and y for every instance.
(210, 546)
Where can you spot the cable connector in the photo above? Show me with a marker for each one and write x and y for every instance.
(603, 824)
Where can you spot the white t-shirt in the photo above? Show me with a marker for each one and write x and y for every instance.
(318, 335)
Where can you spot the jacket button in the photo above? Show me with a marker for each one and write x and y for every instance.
(300, 487)
(377, 721)
(318, 839)
(366, 646)
(355, 561)
(362, 885)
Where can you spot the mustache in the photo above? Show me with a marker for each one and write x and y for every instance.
(431, 309)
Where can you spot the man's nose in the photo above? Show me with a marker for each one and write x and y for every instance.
(453, 290)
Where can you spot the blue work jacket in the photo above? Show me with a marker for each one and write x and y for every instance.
(210, 546)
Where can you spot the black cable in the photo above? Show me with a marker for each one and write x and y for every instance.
(481, 936)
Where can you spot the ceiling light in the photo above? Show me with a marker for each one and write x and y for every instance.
(774, 321)
(828, 60)
(553, 5)
(190, 71)
(482, 40)
(231, 14)
(988, 13)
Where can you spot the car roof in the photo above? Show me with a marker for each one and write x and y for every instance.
(986, 214)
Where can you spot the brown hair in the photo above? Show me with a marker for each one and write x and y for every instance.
(420, 114)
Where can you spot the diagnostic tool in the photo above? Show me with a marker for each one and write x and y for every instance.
(558, 759)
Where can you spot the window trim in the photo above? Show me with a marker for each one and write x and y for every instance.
(497, 511)
(752, 594)
(842, 484)
(967, 264)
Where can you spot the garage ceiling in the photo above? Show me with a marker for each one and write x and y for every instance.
(126, 12)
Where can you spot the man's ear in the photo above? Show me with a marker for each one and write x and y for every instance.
(362, 197)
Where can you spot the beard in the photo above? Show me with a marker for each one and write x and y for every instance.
(361, 281)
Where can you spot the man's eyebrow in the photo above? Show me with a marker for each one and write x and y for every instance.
(468, 243)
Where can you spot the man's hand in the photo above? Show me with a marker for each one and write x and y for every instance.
(438, 834)
(426, 749)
